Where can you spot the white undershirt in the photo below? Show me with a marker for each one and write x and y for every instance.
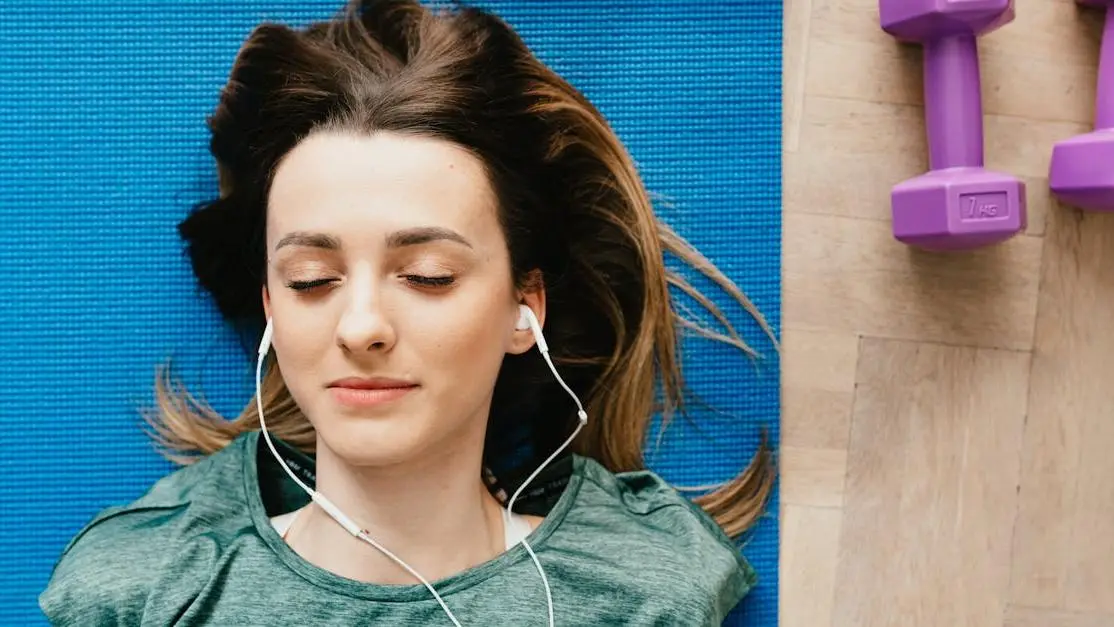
(513, 533)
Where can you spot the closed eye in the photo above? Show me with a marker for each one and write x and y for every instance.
(430, 281)
(303, 286)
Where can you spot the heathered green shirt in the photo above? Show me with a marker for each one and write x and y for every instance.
(199, 549)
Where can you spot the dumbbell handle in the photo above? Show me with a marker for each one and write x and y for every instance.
(953, 102)
(1104, 101)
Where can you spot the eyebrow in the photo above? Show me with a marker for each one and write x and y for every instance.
(398, 239)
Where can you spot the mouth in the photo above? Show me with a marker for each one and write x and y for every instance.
(371, 383)
(359, 392)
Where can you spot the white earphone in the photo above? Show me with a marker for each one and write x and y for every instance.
(526, 320)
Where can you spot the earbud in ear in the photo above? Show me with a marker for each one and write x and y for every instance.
(265, 342)
(524, 314)
(527, 320)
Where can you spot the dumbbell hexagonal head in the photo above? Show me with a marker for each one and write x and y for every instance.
(1082, 169)
(958, 208)
(923, 20)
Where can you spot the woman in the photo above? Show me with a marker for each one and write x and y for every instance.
(413, 206)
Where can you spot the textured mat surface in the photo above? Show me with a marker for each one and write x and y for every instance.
(102, 108)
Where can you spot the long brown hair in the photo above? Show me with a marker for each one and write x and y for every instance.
(571, 204)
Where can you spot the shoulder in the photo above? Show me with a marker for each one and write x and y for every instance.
(644, 526)
(108, 570)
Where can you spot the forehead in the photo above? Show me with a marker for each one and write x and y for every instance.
(351, 183)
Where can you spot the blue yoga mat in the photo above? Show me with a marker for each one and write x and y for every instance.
(102, 109)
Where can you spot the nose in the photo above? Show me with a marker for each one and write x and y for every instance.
(364, 325)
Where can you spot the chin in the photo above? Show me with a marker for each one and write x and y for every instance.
(375, 442)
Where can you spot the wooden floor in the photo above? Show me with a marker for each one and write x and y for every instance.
(948, 439)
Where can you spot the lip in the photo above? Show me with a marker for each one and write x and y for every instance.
(369, 392)
(371, 383)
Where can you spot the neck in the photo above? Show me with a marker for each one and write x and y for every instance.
(434, 514)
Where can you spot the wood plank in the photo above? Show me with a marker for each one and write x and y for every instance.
(1064, 552)
(818, 385)
(797, 16)
(812, 476)
(1035, 617)
(931, 488)
(809, 552)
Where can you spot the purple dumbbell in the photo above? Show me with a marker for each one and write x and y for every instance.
(1082, 171)
(958, 204)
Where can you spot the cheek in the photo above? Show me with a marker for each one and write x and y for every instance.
(466, 338)
(301, 338)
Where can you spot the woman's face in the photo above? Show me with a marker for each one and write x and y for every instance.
(388, 270)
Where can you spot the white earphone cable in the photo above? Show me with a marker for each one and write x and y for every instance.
(583, 418)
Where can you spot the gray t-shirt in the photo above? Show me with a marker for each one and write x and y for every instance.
(199, 549)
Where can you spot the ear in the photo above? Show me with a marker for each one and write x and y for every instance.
(533, 296)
